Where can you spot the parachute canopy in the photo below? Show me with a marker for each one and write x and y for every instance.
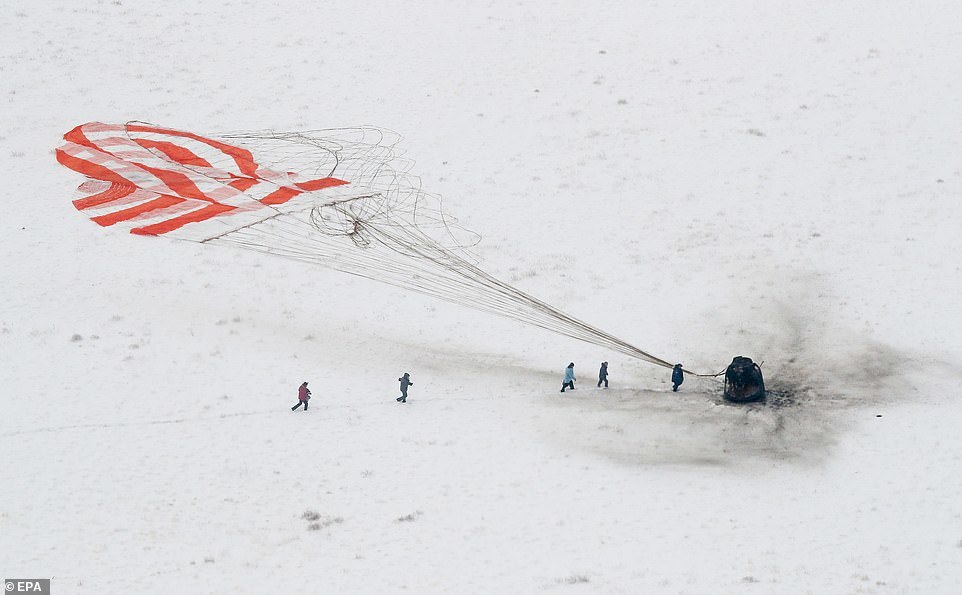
(158, 181)
(340, 198)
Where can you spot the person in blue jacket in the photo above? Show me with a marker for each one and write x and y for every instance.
(569, 381)
(405, 383)
(603, 374)
(677, 377)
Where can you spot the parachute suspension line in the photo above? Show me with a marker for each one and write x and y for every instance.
(400, 254)
(498, 294)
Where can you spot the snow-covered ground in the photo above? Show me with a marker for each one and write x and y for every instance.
(702, 179)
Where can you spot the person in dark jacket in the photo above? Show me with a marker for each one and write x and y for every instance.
(603, 374)
(569, 379)
(303, 396)
(405, 383)
(677, 377)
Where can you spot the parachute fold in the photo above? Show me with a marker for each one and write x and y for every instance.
(341, 198)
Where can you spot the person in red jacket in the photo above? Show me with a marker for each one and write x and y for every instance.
(303, 396)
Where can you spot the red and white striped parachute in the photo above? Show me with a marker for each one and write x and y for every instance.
(341, 198)
(159, 181)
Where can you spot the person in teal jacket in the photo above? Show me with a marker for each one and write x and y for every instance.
(569, 381)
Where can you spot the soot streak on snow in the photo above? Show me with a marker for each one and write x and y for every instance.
(816, 374)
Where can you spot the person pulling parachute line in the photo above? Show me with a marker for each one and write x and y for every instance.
(677, 377)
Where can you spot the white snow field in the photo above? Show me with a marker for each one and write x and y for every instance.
(780, 180)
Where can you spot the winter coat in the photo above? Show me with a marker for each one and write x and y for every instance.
(405, 382)
(569, 375)
(603, 372)
(303, 393)
(677, 376)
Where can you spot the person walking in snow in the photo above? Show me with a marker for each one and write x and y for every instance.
(677, 377)
(603, 374)
(569, 381)
(405, 383)
(303, 396)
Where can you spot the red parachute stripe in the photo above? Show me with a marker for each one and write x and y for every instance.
(174, 152)
(77, 137)
(177, 222)
(90, 169)
(115, 192)
(243, 158)
(243, 184)
(164, 201)
(281, 195)
(320, 183)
